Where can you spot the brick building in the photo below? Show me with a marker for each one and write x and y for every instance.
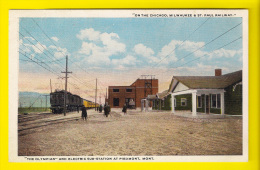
(140, 89)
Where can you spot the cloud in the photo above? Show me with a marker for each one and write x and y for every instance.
(142, 50)
(111, 43)
(28, 46)
(59, 52)
(55, 39)
(97, 47)
(29, 38)
(89, 34)
(87, 48)
(39, 48)
(190, 45)
(145, 52)
(223, 53)
(167, 53)
(128, 60)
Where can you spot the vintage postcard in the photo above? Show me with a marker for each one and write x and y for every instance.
(128, 85)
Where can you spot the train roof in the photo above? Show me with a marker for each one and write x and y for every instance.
(61, 91)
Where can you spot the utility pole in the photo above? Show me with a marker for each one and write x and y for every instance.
(66, 81)
(96, 96)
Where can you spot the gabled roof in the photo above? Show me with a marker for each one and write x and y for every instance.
(151, 97)
(208, 82)
(162, 94)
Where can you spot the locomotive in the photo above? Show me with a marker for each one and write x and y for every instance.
(73, 102)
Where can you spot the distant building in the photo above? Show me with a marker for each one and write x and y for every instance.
(140, 89)
(220, 94)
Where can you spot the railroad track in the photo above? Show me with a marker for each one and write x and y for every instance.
(30, 123)
(44, 123)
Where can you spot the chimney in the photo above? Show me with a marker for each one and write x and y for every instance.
(218, 72)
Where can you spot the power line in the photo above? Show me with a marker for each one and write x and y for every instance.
(39, 64)
(54, 43)
(204, 55)
(181, 43)
(210, 41)
(39, 49)
(40, 45)
(49, 56)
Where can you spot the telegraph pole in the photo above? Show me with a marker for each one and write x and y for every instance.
(66, 81)
(96, 96)
(100, 98)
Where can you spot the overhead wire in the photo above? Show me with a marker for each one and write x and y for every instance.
(181, 43)
(204, 54)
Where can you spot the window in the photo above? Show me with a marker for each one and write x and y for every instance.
(129, 90)
(116, 101)
(218, 100)
(183, 102)
(199, 102)
(215, 100)
(115, 90)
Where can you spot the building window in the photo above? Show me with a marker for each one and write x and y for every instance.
(115, 90)
(183, 102)
(199, 102)
(129, 90)
(116, 101)
(215, 100)
(218, 100)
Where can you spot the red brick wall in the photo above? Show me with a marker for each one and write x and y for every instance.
(122, 95)
(140, 90)
(137, 93)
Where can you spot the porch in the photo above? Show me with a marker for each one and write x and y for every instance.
(212, 98)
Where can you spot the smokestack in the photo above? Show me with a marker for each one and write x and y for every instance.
(218, 72)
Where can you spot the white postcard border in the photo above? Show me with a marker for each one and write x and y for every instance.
(14, 16)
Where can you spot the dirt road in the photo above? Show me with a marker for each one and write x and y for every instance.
(154, 133)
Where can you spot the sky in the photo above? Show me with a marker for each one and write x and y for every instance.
(117, 51)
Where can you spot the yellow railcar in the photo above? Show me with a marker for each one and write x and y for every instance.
(89, 104)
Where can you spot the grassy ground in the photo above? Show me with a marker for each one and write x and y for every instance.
(32, 109)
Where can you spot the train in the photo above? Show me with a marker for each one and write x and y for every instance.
(73, 102)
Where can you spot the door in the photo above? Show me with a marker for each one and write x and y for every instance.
(116, 102)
